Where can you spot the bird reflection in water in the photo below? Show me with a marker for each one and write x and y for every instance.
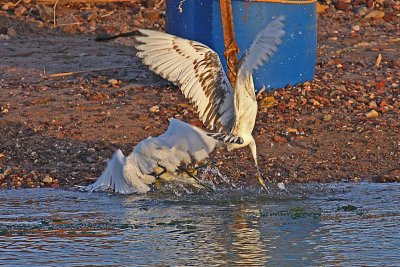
(248, 246)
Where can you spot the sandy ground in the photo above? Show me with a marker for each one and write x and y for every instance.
(60, 131)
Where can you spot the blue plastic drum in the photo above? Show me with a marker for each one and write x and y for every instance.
(295, 60)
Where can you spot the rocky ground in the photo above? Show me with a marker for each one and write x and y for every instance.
(60, 131)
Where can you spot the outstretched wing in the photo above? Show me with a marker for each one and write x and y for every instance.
(198, 72)
(263, 47)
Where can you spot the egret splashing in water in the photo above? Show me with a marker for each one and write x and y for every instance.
(230, 113)
(197, 71)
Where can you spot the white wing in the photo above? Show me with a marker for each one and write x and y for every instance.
(198, 72)
(113, 177)
(180, 144)
(263, 47)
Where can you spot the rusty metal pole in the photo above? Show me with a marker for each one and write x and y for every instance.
(231, 48)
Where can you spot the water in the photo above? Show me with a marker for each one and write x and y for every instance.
(331, 225)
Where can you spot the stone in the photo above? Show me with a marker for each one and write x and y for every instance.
(11, 32)
(151, 14)
(321, 8)
(8, 6)
(47, 180)
(362, 99)
(341, 5)
(20, 11)
(267, 102)
(362, 11)
(372, 105)
(154, 109)
(113, 82)
(356, 28)
(279, 139)
(372, 114)
(4, 37)
(376, 14)
(327, 117)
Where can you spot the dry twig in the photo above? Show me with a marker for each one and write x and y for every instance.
(378, 60)
(54, 13)
(64, 74)
(258, 96)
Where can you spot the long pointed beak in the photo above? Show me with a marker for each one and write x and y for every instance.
(261, 180)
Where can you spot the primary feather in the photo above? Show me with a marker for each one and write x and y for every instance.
(263, 47)
(181, 144)
(198, 72)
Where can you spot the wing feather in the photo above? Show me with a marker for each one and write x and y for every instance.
(263, 47)
(198, 72)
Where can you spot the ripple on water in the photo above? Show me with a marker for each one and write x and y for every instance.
(308, 225)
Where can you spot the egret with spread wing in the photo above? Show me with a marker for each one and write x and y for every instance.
(197, 71)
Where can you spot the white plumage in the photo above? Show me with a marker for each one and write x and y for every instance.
(196, 69)
(182, 143)
(198, 72)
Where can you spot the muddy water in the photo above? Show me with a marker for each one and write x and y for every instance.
(336, 224)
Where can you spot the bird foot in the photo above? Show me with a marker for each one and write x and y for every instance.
(262, 181)
(192, 173)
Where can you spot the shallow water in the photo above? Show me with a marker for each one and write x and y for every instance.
(330, 225)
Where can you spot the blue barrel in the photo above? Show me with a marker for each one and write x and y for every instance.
(200, 20)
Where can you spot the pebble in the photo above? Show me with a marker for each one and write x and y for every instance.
(279, 139)
(154, 109)
(342, 5)
(321, 8)
(362, 99)
(20, 11)
(372, 114)
(281, 186)
(356, 28)
(373, 105)
(327, 117)
(151, 14)
(113, 82)
(11, 32)
(8, 6)
(314, 102)
(47, 180)
(4, 37)
(267, 102)
(362, 11)
(376, 14)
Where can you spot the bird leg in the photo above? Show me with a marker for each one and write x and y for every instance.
(195, 178)
(259, 176)
(158, 182)
(158, 175)
(211, 158)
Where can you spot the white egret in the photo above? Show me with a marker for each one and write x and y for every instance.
(156, 157)
(196, 69)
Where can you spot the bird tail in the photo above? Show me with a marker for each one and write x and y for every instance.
(113, 178)
(227, 138)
